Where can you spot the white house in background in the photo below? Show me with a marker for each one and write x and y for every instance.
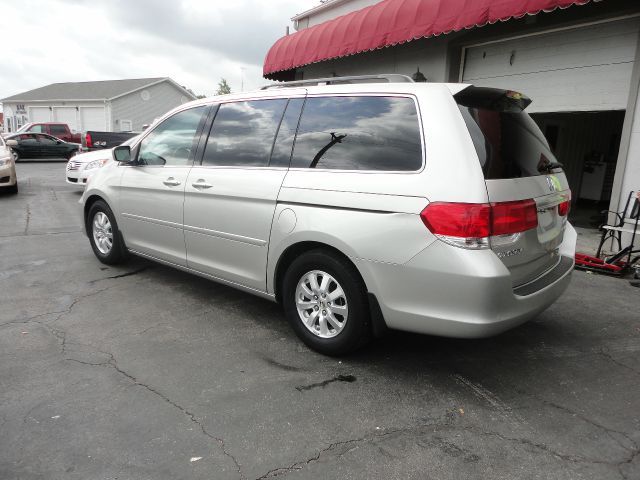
(578, 60)
(108, 105)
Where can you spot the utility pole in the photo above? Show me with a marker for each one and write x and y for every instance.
(242, 79)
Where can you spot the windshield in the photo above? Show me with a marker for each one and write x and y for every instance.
(24, 128)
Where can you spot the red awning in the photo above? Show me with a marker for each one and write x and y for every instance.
(391, 22)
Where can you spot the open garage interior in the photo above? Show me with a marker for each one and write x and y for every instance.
(587, 144)
(578, 78)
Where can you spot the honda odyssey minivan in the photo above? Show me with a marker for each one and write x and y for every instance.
(359, 204)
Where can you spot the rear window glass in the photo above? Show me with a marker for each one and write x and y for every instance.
(508, 142)
(359, 133)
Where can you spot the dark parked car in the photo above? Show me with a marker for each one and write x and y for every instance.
(40, 145)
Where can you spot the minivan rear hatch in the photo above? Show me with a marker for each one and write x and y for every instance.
(521, 174)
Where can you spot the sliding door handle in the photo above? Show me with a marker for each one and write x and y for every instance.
(171, 182)
(201, 184)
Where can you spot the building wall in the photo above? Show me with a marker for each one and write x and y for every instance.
(11, 112)
(428, 55)
(143, 106)
(631, 177)
(341, 8)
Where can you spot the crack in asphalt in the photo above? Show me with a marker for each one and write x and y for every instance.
(39, 234)
(609, 431)
(579, 459)
(27, 220)
(609, 357)
(60, 313)
(121, 275)
(113, 364)
(61, 335)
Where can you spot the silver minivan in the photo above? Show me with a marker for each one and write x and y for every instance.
(359, 204)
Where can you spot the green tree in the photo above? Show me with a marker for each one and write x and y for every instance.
(223, 87)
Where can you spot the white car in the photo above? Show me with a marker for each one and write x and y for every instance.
(82, 166)
(8, 179)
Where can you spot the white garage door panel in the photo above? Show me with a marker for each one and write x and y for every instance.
(92, 118)
(575, 70)
(39, 114)
(66, 115)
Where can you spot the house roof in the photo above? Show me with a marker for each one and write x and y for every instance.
(100, 90)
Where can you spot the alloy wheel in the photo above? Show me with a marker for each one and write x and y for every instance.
(321, 304)
(102, 233)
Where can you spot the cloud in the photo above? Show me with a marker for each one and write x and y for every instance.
(195, 42)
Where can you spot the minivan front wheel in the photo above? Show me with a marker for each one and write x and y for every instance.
(325, 302)
(104, 236)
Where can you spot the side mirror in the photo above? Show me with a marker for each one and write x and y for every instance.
(12, 143)
(145, 126)
(122, 153)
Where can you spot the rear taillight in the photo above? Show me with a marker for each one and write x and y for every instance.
(469, 225)
(88, 140)
(513, 217)
(563, 208)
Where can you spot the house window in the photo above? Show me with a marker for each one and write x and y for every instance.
(126, 125)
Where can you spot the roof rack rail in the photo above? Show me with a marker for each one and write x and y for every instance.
(390, 78)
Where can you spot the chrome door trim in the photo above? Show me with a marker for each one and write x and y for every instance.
(227, 236)
(164, 223)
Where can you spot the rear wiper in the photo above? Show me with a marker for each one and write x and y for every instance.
(549, 166)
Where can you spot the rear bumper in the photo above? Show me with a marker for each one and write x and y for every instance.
(453, 292)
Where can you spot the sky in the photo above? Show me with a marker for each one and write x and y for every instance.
(195, 42)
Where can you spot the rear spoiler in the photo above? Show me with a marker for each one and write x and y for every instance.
(492, 99)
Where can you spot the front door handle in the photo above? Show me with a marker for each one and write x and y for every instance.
(171, 182)
(201, 184)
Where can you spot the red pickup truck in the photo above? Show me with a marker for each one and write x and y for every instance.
(59, 130)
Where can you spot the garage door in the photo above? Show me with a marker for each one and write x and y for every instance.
(92, 118)
(39, 114)
(583, 69)
(66, 115)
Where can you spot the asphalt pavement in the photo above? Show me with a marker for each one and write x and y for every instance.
(145, 372)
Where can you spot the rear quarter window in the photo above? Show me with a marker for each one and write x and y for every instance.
(359, 133)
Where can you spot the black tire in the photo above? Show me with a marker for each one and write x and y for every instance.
(13, 188)
(357, 330)
(118, 252)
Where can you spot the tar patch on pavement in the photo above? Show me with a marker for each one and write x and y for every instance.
(339, 378)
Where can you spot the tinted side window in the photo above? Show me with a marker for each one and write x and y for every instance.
(359, 133)
(243, 133)
(45, 140)
(281, 155)
(36, 129)
(58, 130)
(172, 142)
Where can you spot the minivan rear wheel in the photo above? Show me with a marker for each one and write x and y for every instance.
(325, 302)
(104, 235)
